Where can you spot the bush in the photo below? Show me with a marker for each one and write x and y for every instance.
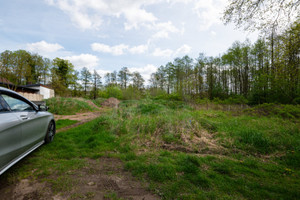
(112, 91)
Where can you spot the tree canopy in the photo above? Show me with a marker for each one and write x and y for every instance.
(264, 15)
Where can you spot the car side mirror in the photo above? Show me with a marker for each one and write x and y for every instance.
(43, 108)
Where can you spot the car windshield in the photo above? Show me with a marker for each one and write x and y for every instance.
(16, 104)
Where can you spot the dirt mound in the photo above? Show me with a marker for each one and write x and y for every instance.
(111, 102)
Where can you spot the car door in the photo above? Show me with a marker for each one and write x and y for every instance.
(32, 123)
(10, 135)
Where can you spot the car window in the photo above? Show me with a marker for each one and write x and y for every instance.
(1, 108)
(16, 104)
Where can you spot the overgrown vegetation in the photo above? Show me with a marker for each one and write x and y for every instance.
(184, 153)
(67, 106)
(280, 110)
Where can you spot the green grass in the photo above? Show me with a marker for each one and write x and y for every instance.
(258, 157)
(280, 110)
(61, 123)
(67, 106)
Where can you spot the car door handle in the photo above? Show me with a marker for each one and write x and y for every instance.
(24, 117)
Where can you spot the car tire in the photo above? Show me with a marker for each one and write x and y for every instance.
(50, 132)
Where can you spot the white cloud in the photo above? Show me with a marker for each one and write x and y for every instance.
(163, 30)
(119, 49)
(138, 49)
(162, 53)
(83, 60)
(115, 50)
(145, 71)
(183, 50)
(135, 17)
(43, 47)
(88, 14)
(213, 33)
(161, 34)
(209, 12)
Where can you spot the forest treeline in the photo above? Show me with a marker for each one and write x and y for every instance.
(264, 72)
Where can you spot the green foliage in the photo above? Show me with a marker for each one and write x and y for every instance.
(112, 91)
(67, 106)
(132, 93)
(62, 76)
(280, 110)
(296, 101)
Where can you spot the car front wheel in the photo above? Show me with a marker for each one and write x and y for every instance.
(50, 132)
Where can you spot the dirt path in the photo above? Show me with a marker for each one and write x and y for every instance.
(80, 117)
(86, 117)
(104, 178)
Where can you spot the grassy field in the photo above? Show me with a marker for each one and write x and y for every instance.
(61, 123)
(182, 152)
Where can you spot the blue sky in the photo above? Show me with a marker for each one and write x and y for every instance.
(107, 35)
